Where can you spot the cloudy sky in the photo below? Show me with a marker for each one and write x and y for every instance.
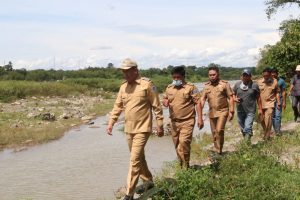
(73, 34)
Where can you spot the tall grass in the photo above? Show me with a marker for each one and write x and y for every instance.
(252, 172)
(11, 90)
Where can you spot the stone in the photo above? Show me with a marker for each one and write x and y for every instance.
(48, 117)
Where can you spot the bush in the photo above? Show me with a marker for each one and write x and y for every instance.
(249, 173)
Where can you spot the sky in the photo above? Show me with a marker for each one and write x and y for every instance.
(75, 34)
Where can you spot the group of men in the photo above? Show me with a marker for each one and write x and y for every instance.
(139, 99)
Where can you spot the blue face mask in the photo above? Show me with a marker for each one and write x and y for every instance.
(177, 82)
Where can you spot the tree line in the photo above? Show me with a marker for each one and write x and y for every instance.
(193, 73)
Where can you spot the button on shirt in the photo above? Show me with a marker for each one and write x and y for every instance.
(138, 100)
(268, 92)
(182, 101)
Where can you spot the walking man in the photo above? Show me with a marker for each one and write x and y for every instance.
(221, 105)
(246, 94)
(138, 97)
(182, 98)
(295, 93)
(269, 94)
(276, 120)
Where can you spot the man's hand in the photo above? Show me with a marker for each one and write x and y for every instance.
(284, 105)
(278, 106)
(165, 102)
(236, 99)
(231, 115)
(200, 123)
(160, 131)
(261, 114)
(109, 129)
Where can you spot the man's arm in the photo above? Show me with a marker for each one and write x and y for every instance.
(157, 108)
(291, 89)
(115, 113)
(283, 98)
(231, 107)
(278, 97)
(199, 108)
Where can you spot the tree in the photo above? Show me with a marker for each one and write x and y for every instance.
(273, 5)
(285, 54)
(9, 66)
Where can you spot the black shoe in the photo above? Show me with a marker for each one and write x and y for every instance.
(127, 197)
(143, 188)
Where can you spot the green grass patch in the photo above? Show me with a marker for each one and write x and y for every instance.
(252, 172)
(12, 90)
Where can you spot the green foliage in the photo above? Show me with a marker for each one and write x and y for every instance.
(273, 5)
(92, 83)
(284, 55)
(249, 173)
(11, 90)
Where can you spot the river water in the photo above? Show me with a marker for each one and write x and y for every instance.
(84, 164)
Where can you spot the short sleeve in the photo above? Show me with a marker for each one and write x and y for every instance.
(228, 90)
(235, 87)
(196, 95)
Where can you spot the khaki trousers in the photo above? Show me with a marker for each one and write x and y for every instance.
(138, 166)
(267, 122)
(182, 134)
(217, 126)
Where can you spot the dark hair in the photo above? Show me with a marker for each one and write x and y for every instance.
(178, 70)
(274, 71)
(215, 68)
(267, 69)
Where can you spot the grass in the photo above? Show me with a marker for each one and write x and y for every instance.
(12, 90)
(252, 172)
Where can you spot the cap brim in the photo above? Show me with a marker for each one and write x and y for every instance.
(124, 68)
(247, 74)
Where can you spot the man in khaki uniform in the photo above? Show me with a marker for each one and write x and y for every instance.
(221, 105)
(182, 98)
(269, 93)
(138, 97)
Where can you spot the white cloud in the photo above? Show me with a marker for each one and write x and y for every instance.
(72, 35)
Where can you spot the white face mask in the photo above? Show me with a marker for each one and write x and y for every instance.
(177, 82)
(243, 86)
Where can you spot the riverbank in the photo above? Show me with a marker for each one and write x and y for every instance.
(36, 120)
(262, 170)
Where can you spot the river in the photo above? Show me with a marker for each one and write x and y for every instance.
(84, 164)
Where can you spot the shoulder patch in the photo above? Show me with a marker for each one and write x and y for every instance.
(195, 91)
(123, 82)
(154, 88)
(170, 85)
(223, 81)
(207, 83)
(189, 83)
(146, 79)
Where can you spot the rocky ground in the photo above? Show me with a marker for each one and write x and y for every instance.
(38, 114)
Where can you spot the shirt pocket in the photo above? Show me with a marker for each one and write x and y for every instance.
(141, 94)
(170, 97)
(206, 91)
(125, 98)
(186, 95)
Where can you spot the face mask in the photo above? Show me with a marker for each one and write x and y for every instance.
(269, 80)
(177, 82)
(243, 86)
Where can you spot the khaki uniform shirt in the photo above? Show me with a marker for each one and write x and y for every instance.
(217, 96)
(138, 100)
(182, 101)
(268, 92)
